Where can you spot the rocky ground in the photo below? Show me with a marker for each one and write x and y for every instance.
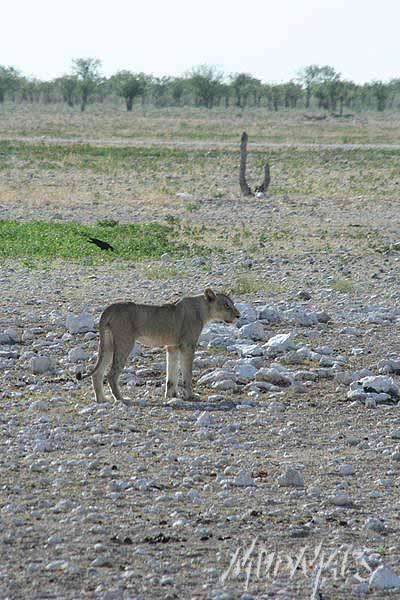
(280, 482)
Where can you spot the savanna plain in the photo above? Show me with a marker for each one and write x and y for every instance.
(292, 452)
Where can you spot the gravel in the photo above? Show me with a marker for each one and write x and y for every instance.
(154, 499)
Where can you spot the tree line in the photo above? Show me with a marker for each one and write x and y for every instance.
(315, 87)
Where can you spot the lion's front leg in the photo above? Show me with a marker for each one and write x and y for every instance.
(186, 360)
(171, 383)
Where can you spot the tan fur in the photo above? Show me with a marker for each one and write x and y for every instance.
(176, 326)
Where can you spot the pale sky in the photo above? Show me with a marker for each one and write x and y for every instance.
(271, 39)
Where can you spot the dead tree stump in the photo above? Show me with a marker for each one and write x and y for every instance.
(244, 186)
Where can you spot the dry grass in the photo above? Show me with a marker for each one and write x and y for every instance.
(112, 122)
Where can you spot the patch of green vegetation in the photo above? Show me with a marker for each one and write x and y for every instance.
(164, 273)
(192, 206)
(172, 220)
(107, 223)
(40, 240)
(329, 173)
(251, 284)
(342, 285)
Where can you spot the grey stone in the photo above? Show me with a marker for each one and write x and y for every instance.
(80, 323)
(384, 578)
(42, 364)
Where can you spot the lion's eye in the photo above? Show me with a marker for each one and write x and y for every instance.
(226, 305)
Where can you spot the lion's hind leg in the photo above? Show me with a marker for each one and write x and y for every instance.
(122, 350)
(105, 359)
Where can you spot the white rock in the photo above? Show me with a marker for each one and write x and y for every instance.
(42, 446)
(296, 357)
(379, 383)
(249, 350)
(253, 331)
(78, 353)
(291, 478)
(370, 403)
(281, 342)
(80, 323)
(12, 334)
(324, 350)
(341, 499)
(42, 364)
(243, 479)
(195, 497)
(142, 484)
(384, 578)
(225, 385)
(346, 469)
(269, 313)
(215, 376)
(374, 524)
(64, 506)
(245, 371)
(305, 319)
(27, 335)
(184, 195)
(276, 407)
(37, 406)
(5, 339)
(247, 313)
(389, 366)
(205, 420)
(275, 376)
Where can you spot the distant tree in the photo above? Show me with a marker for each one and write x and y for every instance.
(29, 89)
(68, 86)
(394, 92)
(245, 86)
(47, 91)
(159, 89)
(9, 81)
(129, 86)
(312, 77)
(292, 92)
(225, 93)
(87, 73)
(277, 95)
(345, 91)
(380, 91)
(177, 87)
(205, 82)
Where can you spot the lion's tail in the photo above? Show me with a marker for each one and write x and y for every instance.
(105, 342)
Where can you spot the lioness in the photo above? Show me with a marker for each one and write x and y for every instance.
(176, 326)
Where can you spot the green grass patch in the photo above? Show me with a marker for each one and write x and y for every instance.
(332, 173)
(160, 273)
(40, 240)
(342, 285)
(251, 284)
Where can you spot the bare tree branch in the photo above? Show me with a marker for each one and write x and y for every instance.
(267, 178)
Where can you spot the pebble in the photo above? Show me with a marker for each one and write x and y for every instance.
(205, 420)
(341, 499)
(346, 469)
(243, 479)
(77, 354)
(374, 524)
(81, 323)
(291, 478)
(42, 364)
(281, 342)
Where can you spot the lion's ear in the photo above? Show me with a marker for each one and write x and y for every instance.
(228, 293)
(209, 294)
